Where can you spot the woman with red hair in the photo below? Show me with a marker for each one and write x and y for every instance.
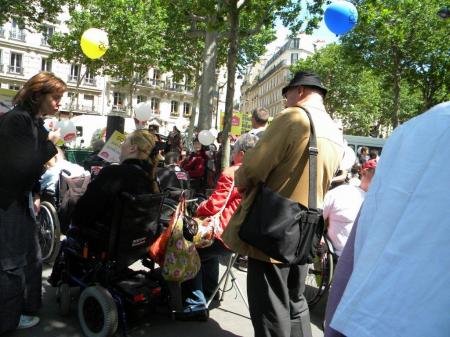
(25, 146)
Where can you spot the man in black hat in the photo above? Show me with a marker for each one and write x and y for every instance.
(280, 161)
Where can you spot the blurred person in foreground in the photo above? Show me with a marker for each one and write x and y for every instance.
(392, 278)
(25, 146)
(280, 161)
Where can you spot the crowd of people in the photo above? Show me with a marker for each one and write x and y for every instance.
(366, 221)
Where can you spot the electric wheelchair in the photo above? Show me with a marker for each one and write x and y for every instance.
(97, 259)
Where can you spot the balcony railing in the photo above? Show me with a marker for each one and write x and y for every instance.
(90, 81)
(157, 83)
(17, 34)
(15, 70)
(44, 41)
(174, 113)
(2, 32)
(179, 87)
(72, 78)
(120, 110)
(84, 108)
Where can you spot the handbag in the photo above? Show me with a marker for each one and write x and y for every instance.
(282, 228)
(181, 259)
(210, 225)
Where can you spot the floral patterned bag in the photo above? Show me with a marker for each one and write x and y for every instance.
(209, 226)
(181, 260)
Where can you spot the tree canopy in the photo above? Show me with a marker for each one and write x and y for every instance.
(136, 35)
(403, 41)
(32, 12)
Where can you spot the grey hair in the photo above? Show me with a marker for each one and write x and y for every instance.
(245, 142)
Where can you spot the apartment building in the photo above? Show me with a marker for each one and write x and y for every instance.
(263, 83)
(24, 53)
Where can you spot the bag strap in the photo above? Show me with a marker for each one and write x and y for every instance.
(313, 152)
(226, 201)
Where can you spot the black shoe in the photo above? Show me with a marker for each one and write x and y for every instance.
(199, 315)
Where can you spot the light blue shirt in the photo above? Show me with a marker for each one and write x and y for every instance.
(400, 285)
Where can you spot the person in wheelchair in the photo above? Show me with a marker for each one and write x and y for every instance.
(136, 174)
(225, 196)
(50, 179)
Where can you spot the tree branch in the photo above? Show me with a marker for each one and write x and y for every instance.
(196, 33)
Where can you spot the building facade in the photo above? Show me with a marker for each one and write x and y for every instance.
(24, 53)
(263, 83)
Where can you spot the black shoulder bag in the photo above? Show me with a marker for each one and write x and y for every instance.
(284, 229)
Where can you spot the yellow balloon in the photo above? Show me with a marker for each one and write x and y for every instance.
(94, 43)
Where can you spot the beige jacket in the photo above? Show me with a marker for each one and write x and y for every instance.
(280, 160)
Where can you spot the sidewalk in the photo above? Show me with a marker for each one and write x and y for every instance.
(230, 319)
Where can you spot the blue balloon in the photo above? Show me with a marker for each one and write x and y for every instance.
(340, 17)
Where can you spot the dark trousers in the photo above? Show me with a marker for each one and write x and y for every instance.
(20, 266)
(275, 295)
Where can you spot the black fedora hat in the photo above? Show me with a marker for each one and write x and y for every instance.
(305, 78)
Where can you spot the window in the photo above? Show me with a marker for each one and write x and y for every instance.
(16, 32)
(174, 108)
(47, 33)
(14, 87)
(88, 104)
(118, 100)
(74, 72)
(296, 43)
(186, 109)
(294, 58)
(89, 78)
(72, 95)
(46, 64)
(1, 63)
(156, 74)
(141, 98)
(154, 104)
(15, 64)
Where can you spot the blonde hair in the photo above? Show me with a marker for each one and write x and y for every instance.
(145, 142)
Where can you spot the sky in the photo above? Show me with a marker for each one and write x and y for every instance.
(282, 33)
(321, 33)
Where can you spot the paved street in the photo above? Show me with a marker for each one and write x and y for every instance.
(230, 319)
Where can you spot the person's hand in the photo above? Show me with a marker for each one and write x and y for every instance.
(37, 204)
(54, 135)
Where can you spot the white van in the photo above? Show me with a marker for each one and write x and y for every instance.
(356, 142)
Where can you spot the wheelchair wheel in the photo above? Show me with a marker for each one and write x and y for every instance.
(64, 298)
(318, 279)
(49, 232)
(97, 312)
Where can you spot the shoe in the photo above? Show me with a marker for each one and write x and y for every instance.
(27, 321)
(198, 315)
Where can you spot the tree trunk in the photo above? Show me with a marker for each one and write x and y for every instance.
(233, 18)
(193, 112)
(208, 75)
(396, 89)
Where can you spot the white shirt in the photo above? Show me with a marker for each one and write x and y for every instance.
(400, 285)
(341, 206)
(257, 131)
